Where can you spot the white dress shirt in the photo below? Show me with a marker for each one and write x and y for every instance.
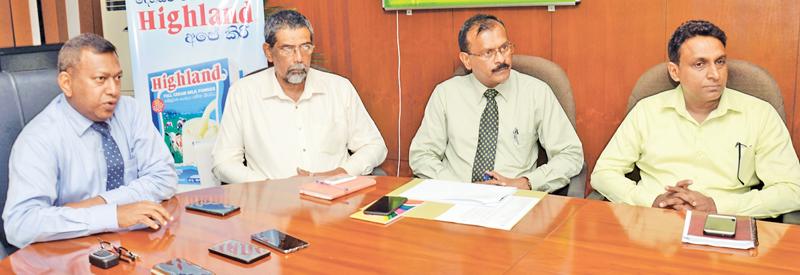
(277, 135)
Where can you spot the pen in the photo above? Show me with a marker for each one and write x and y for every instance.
(516, 136)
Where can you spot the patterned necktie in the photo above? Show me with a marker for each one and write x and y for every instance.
(115, 166)
(487, 138)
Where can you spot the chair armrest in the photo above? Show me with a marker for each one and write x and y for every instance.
(792, 217)
(577, 184)
(377, 171)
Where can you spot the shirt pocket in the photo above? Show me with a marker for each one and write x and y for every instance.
(745, 163)
(333, 138)
(131, 169)
(522, 144)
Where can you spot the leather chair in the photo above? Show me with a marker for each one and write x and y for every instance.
(742, 76)
(22, 95)
(553, 75)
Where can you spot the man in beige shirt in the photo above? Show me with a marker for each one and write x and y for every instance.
(483, 127)
(292, 120)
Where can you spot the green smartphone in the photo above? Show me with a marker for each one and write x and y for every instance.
(720, 225)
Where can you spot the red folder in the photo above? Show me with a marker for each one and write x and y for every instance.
(330, 192)
(746, 232)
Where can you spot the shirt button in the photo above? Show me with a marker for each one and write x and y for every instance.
(304, 149)
(295, 107)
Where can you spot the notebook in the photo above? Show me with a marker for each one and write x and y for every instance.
(746, 232)
(329, 191)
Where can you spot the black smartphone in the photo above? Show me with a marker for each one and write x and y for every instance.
(179, 266)
(385, 205)
(243, 252)
(215, 208)
(280, 241)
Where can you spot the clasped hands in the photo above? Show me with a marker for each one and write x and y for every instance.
(679, 197)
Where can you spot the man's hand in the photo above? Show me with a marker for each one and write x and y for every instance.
(145, 212)
(695, 199)
(669, 200)
(498, 179)
(337, 171)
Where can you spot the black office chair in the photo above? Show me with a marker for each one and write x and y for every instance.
(552, 74)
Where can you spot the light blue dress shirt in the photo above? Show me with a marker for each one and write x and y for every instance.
(58, 159)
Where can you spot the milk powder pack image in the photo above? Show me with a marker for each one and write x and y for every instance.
(187, 104)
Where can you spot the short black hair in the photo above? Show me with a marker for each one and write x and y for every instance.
(285, 19)
(691, 29)
(484, 22)
(70, 54)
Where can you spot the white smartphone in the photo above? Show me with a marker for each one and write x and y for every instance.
(720, 225)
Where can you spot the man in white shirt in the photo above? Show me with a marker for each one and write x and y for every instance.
(292, 120)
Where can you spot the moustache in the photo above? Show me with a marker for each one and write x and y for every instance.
(297, 68)
(501, 67)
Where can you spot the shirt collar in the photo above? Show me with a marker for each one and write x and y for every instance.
(79, 123)
(727, 102)
(313, 85)
(504, 89)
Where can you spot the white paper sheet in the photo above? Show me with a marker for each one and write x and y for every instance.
(504, 215)
(459, 193)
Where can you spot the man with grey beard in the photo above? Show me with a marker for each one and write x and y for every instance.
(292, 120)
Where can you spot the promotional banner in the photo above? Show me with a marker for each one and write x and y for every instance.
(185, 56)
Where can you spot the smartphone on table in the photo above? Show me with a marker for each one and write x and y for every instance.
(214, 208)
(385, 205)
(242, 252)
(280, 241)
(720, 225)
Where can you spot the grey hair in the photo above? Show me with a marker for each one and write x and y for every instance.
(285, 19)
(70, 54)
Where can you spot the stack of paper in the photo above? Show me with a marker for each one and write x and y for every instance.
(490, 206)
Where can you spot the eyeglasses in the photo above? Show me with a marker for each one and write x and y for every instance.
(124, 253)
(288, 50)
(739, 146)
(490, 53)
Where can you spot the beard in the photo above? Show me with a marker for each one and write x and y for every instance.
(296, 74)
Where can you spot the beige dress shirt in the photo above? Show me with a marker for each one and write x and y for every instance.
(445, 144)
(277, 135)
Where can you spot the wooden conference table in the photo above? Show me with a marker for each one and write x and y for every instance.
(559, 235)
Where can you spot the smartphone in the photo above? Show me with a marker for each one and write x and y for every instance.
(720, 225)
(280, 241)
(215, 208)
(385, 205)
(179, 266)
(242, 252)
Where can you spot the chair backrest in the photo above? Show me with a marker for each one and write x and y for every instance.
(547, 71)
(743, 76)
(22, 96)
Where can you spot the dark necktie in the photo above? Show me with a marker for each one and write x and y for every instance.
(115, 166)
(487, 138)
